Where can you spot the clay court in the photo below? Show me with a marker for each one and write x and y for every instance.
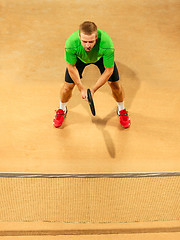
(147, 53)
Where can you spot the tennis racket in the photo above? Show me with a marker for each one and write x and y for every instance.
(91, 103)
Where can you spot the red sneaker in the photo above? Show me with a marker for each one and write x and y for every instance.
(124, 118)
(59, 118)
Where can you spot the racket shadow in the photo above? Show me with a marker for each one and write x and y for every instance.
(101, 124)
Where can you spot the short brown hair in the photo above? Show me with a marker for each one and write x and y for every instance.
(88, 28)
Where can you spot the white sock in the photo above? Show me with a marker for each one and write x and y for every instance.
(63, 106)
(120, 106)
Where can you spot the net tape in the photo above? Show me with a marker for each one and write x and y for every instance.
(88, 175)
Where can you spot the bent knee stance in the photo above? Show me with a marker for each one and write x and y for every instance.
(115, 86)
(66, 92)
(67, 88)
(117, 91)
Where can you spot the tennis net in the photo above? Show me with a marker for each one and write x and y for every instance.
(90, 198)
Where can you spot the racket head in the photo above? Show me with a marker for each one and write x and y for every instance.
(91, 102)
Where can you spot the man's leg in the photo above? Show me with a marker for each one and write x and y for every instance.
(118, 94)
(66, 92)
(117, 91)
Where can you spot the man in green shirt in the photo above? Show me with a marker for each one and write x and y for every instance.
(90, 45)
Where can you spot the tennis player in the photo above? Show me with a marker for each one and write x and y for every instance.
(90, 45)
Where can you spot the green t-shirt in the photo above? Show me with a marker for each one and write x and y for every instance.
(103, 48)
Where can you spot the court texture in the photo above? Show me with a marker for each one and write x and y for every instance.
(32, 67)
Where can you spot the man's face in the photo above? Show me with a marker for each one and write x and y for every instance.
(88, 41)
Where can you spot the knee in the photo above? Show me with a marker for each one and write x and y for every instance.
(67, 88)
(115, 86)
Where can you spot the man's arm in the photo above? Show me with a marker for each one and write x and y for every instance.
(103, 79)
(74, 74)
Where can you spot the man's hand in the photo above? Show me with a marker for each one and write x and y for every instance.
(84, 94)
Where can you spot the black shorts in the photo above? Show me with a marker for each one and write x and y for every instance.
(81, 65)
